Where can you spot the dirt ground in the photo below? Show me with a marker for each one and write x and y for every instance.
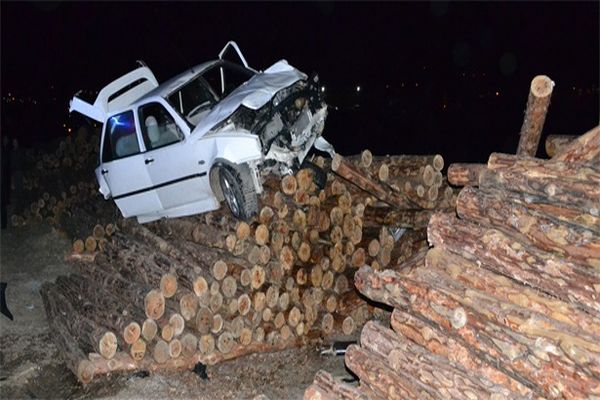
(31, 367)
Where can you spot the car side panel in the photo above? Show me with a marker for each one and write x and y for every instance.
(130, 185)
(180, 173)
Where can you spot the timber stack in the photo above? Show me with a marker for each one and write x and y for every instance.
(59, 185)
(506, 304)
(208, 288)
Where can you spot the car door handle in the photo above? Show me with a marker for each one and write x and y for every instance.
(149, 161)
(104, 171)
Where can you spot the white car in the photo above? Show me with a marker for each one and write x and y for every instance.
(204, 136)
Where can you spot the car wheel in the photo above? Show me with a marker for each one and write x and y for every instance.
(238, 191)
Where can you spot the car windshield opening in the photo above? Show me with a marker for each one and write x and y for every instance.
(196, 98)
(193, 100)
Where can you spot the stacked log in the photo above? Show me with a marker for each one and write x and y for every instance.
(58, 184)
(208, 287)
(505, 305)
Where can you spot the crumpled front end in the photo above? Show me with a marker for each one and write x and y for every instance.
(288, 125)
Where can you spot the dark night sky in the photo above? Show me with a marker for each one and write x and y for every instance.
(444, 48)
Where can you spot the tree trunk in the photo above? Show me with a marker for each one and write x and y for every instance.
(378, 216)
(526, 346)
(435, 372)
(325, 387)
(556, 143)
(375, 373)
(438, 341)
(583, 150)
(349, 172)
(101, 306)
(535, 115)
(526, 264)
(571, 242)
(66, 342)
(465, 174)
(89, 334)
(576, 190)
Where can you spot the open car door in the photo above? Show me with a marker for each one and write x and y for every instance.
(117, 94)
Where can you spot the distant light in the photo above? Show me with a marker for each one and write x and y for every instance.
(322, 88)
(358, 88)
(416, 84)
(497, 93)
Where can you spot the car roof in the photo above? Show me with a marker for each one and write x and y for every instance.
(167, 87)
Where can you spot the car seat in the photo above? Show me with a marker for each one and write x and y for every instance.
(152, 130)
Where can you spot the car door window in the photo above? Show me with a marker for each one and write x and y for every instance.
(120, 138)
(158, 126)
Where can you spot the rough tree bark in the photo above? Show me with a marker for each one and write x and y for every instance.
(535, 114)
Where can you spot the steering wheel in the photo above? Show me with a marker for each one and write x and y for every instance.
(197, 108)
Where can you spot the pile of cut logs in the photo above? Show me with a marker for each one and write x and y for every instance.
(506, 305)
(55, 183)
(207, 288)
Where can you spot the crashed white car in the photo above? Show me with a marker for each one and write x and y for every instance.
(206, 135)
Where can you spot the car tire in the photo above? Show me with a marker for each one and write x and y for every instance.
(238, 191)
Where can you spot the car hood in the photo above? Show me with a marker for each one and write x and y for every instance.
(253, 94)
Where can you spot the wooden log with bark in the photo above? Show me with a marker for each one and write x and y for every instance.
(574, 186)
(538, 102)
(437, 376)
(556, 143)
(465, 174)
(435, 339)
(583, 150)
(571, 242)
(489, 330)
(349, 172)
(325, 387)
(75, 358)
(505, 255)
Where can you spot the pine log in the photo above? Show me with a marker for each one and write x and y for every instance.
(572, 242)
(413, 161)
(535, 114)
(535, 167)
(378, 216)
(556, 143)
(101, 306)
(441, 377)
(555, 364)
(465, 174)
(325, 387)
(584, 150)
(471, 275)
(88, 333)
(350, 173)
(561, 213)
(137, 350)
(504, 255)
(552, 184)
(149, 329)
(374, 372)
(74, 357)
(438, 341)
